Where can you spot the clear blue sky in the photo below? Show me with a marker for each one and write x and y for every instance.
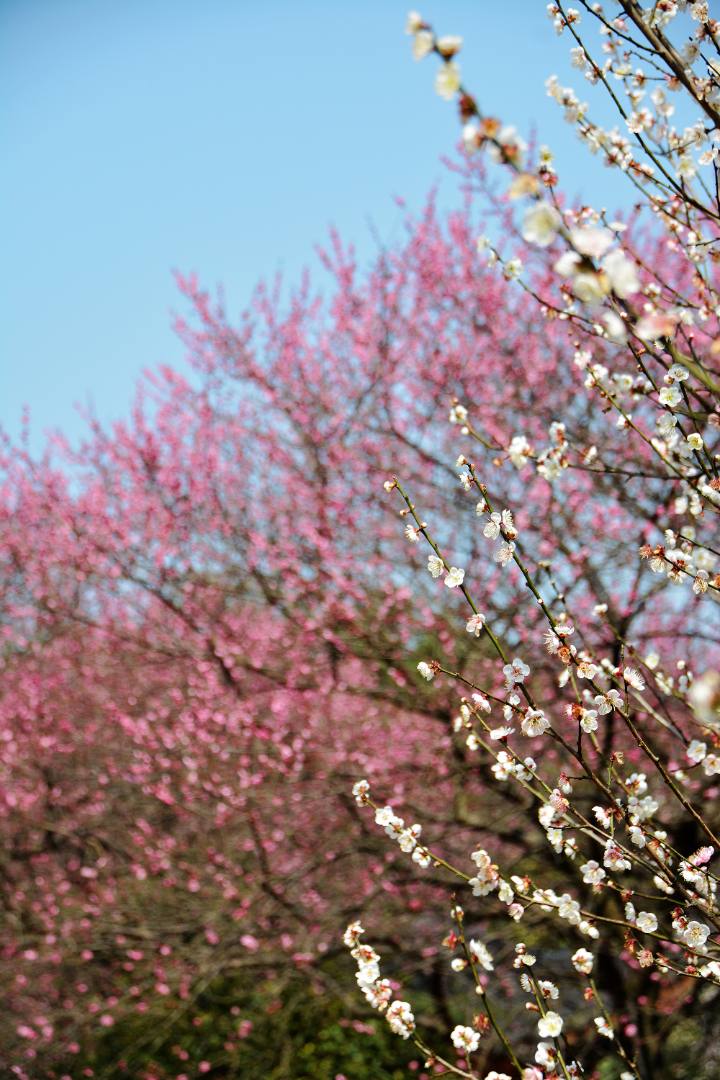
(221, 136)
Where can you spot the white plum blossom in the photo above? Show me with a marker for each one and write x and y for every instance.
(621, 273)
(592, 872)
(696, 934)
(534, 723)
(500, 523)
(504, 553)
(591, 288)
(435, 565)
(605, 703)
(519, 451)
(422, 44)
(603, 1027)
(447, 80)
(425, 670)
(633, 678)
(487, 878)
(480, 954)
(647, 922)
(475, 624)
(449, 45)
(454, 577)
(516, 672)
(550, 1025)
(541, 224)
(696, 751)
(670, 396)
(465, 1039)
(592, 242)
(360, 791)
(582, 961)
(588, 720)
(413, 22)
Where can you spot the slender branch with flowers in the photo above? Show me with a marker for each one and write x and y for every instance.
(611, 755)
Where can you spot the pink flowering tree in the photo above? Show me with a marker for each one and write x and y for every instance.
(598, 700)
(211, 626)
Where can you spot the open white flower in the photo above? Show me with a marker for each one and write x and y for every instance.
(481, 955)
(447, 80)
(550, 1025)
(592, 242)
(633, 678)
(622, 274)
(670, 395)
(603, 1027)
(534, 723)
(435, 565)
(541, 224)
(454, 577)
(516, 672)
(696, 934)
(475, 624)
(465, 1039)
(422, 44)
(582, 961)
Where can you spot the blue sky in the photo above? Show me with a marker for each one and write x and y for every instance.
(222, 137)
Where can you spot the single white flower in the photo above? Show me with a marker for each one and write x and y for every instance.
(516, 672)
(603, 1027)
(447, 80)
(588, 720)
(454, 577)
(422, 44)
(435, 565)
(465, 1039)
(475, 624)
(582, 961)
(519, 451)
(541, 224)
(360, 791)
(634, 678)
(550, 1025)
(504, 553)
(670, 395)
(696, 751)
(622, 274)
(534, 723)
(696, 934)
(647, 922)
(480, 954)
(593, 242)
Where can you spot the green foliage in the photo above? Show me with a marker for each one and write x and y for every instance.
(278, 1028)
